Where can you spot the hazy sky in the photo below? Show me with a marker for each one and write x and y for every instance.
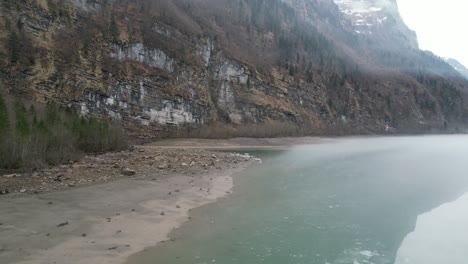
(441, 26)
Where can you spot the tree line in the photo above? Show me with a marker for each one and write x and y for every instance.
(37, 136)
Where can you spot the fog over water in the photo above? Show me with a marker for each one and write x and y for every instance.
(357, 200)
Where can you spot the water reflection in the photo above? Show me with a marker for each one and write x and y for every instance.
(352, 201)
(440, 236)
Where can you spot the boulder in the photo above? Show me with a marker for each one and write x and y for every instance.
(128, 172)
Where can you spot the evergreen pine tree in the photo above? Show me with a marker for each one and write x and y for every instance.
(13, 47)
(22, 125)
(4, 119)
(114, 30)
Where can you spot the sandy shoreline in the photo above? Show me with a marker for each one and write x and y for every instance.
(108, 222)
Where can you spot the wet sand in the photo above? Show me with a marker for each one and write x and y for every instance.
(103, 223)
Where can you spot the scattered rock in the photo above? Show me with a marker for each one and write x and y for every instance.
(162, 213)
(63, 224)
(112, 248)
(178, 206)
(12, 175)
(133, 210)
(104, 168)
(83, 235)
(128, 172)
(58, 178)
(118, 232)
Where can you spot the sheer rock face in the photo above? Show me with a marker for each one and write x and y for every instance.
(138, 52)
(379, 18)
(188, 64)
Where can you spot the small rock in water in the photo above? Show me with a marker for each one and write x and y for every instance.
(162, 213)
(83, 235)
(177, 206)
(112, 248)
(63, 224)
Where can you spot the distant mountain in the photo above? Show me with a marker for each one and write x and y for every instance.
(378, 18)
(231, 67)
(458, 66)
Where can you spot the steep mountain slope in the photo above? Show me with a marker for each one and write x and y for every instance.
(458, 67)
(265, 67)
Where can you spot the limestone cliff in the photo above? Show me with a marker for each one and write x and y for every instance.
(318, 66)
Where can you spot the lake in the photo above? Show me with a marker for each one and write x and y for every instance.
(352, 200)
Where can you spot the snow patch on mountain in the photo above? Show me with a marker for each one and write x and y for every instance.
(366, 14)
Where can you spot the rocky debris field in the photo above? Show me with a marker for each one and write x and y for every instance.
(139, 162)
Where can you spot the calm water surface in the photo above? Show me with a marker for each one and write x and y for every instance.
(377, 200)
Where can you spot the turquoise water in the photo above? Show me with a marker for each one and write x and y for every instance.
(350, 201)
